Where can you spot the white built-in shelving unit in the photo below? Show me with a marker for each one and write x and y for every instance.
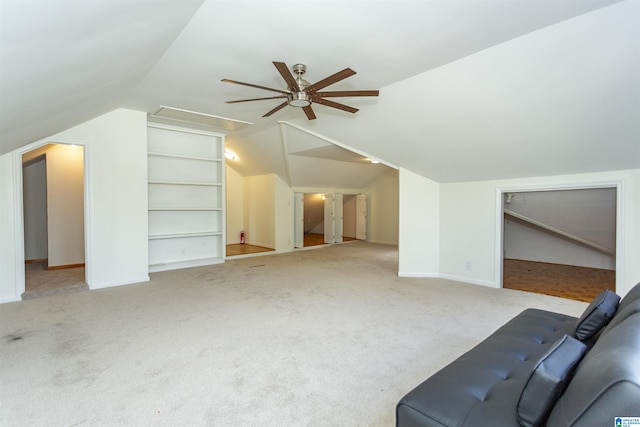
(186, 197)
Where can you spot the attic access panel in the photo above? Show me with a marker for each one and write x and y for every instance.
(210, 120)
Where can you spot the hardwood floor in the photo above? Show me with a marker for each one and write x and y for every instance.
(244, 249)
(565, 281)
(315, 239)
(311, 239)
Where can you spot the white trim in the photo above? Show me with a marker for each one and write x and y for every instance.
(187, 130)
(334, 142)
(285, 151)
(18, 203)
(114, 284)
(618, 184)
(166, 266)
(10, 299)
(19, 209)
(418, 274)
(461, 279)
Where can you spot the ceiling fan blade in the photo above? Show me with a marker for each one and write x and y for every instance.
(309, 112)
(334, 78)
(287, 76)
(256, 86)
(255, 99)
(335, 105)
(278, 108)
(339, 93)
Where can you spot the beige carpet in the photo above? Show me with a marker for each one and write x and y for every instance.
(327, 337)
(40, 282)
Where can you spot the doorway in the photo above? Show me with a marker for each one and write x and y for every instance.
(560, 242)
(53, 218)
(327, 218)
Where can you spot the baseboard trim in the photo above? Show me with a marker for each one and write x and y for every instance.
(416, 274)
(36, 261)
(10, 299)
(468, 280)
(114, 284)
(62, 267)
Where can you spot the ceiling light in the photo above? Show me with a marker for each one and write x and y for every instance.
(230, 154)
(374, 161)
(299, 99)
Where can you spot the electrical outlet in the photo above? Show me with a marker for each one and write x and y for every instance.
(468, 265)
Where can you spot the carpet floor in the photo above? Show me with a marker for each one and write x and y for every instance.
(329, 337)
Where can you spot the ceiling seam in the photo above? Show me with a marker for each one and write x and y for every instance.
(285, 152)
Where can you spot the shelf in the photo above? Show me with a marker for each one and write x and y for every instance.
(186, 198)
(183, 156)
(182, 208)
(169, 182)
(180, 235)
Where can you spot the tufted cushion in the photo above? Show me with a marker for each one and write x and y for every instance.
(597, 314)
(482, 386)
(547, 380)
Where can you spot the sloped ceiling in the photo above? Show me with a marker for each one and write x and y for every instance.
(468, 90)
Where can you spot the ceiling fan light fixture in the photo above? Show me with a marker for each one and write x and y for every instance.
(299, 99)
(301, 94)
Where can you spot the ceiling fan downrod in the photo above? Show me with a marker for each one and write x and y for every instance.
(299, 98)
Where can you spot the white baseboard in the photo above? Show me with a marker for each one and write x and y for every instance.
(446, 277)
(468, 280)
(114, 284)
(5, 300)
(418, 274)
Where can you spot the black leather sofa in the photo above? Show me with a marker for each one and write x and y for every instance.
(540, 369)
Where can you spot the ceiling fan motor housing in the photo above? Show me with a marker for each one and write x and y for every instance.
(301, 98)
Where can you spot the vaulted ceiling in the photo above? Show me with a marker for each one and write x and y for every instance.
(469, 90)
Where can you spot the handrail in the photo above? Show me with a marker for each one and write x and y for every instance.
(560, 232)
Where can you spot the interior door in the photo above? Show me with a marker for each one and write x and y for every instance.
(329, 218)
(361, 217)
(338, 217)
(298, 226)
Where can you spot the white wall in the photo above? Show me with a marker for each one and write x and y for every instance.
(470, 216)
(34, 183)
(259, 210)
(116, 146)
(65, 204)
(382, 209)
(525, 242)
(234, 205)
(284, 216)
(419, 226)
(116, 168)
(588, 214)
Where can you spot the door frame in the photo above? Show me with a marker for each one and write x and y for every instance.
(620, 220)
(19, 209)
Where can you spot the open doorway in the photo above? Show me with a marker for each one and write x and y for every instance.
(53, 215)
(560, 242)
(327, 218)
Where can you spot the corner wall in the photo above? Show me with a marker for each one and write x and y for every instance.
(116, 202)
(419, 226)
(259, 210)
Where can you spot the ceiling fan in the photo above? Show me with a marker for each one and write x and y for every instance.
(300, 93)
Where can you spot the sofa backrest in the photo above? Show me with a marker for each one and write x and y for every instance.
(606, 384)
